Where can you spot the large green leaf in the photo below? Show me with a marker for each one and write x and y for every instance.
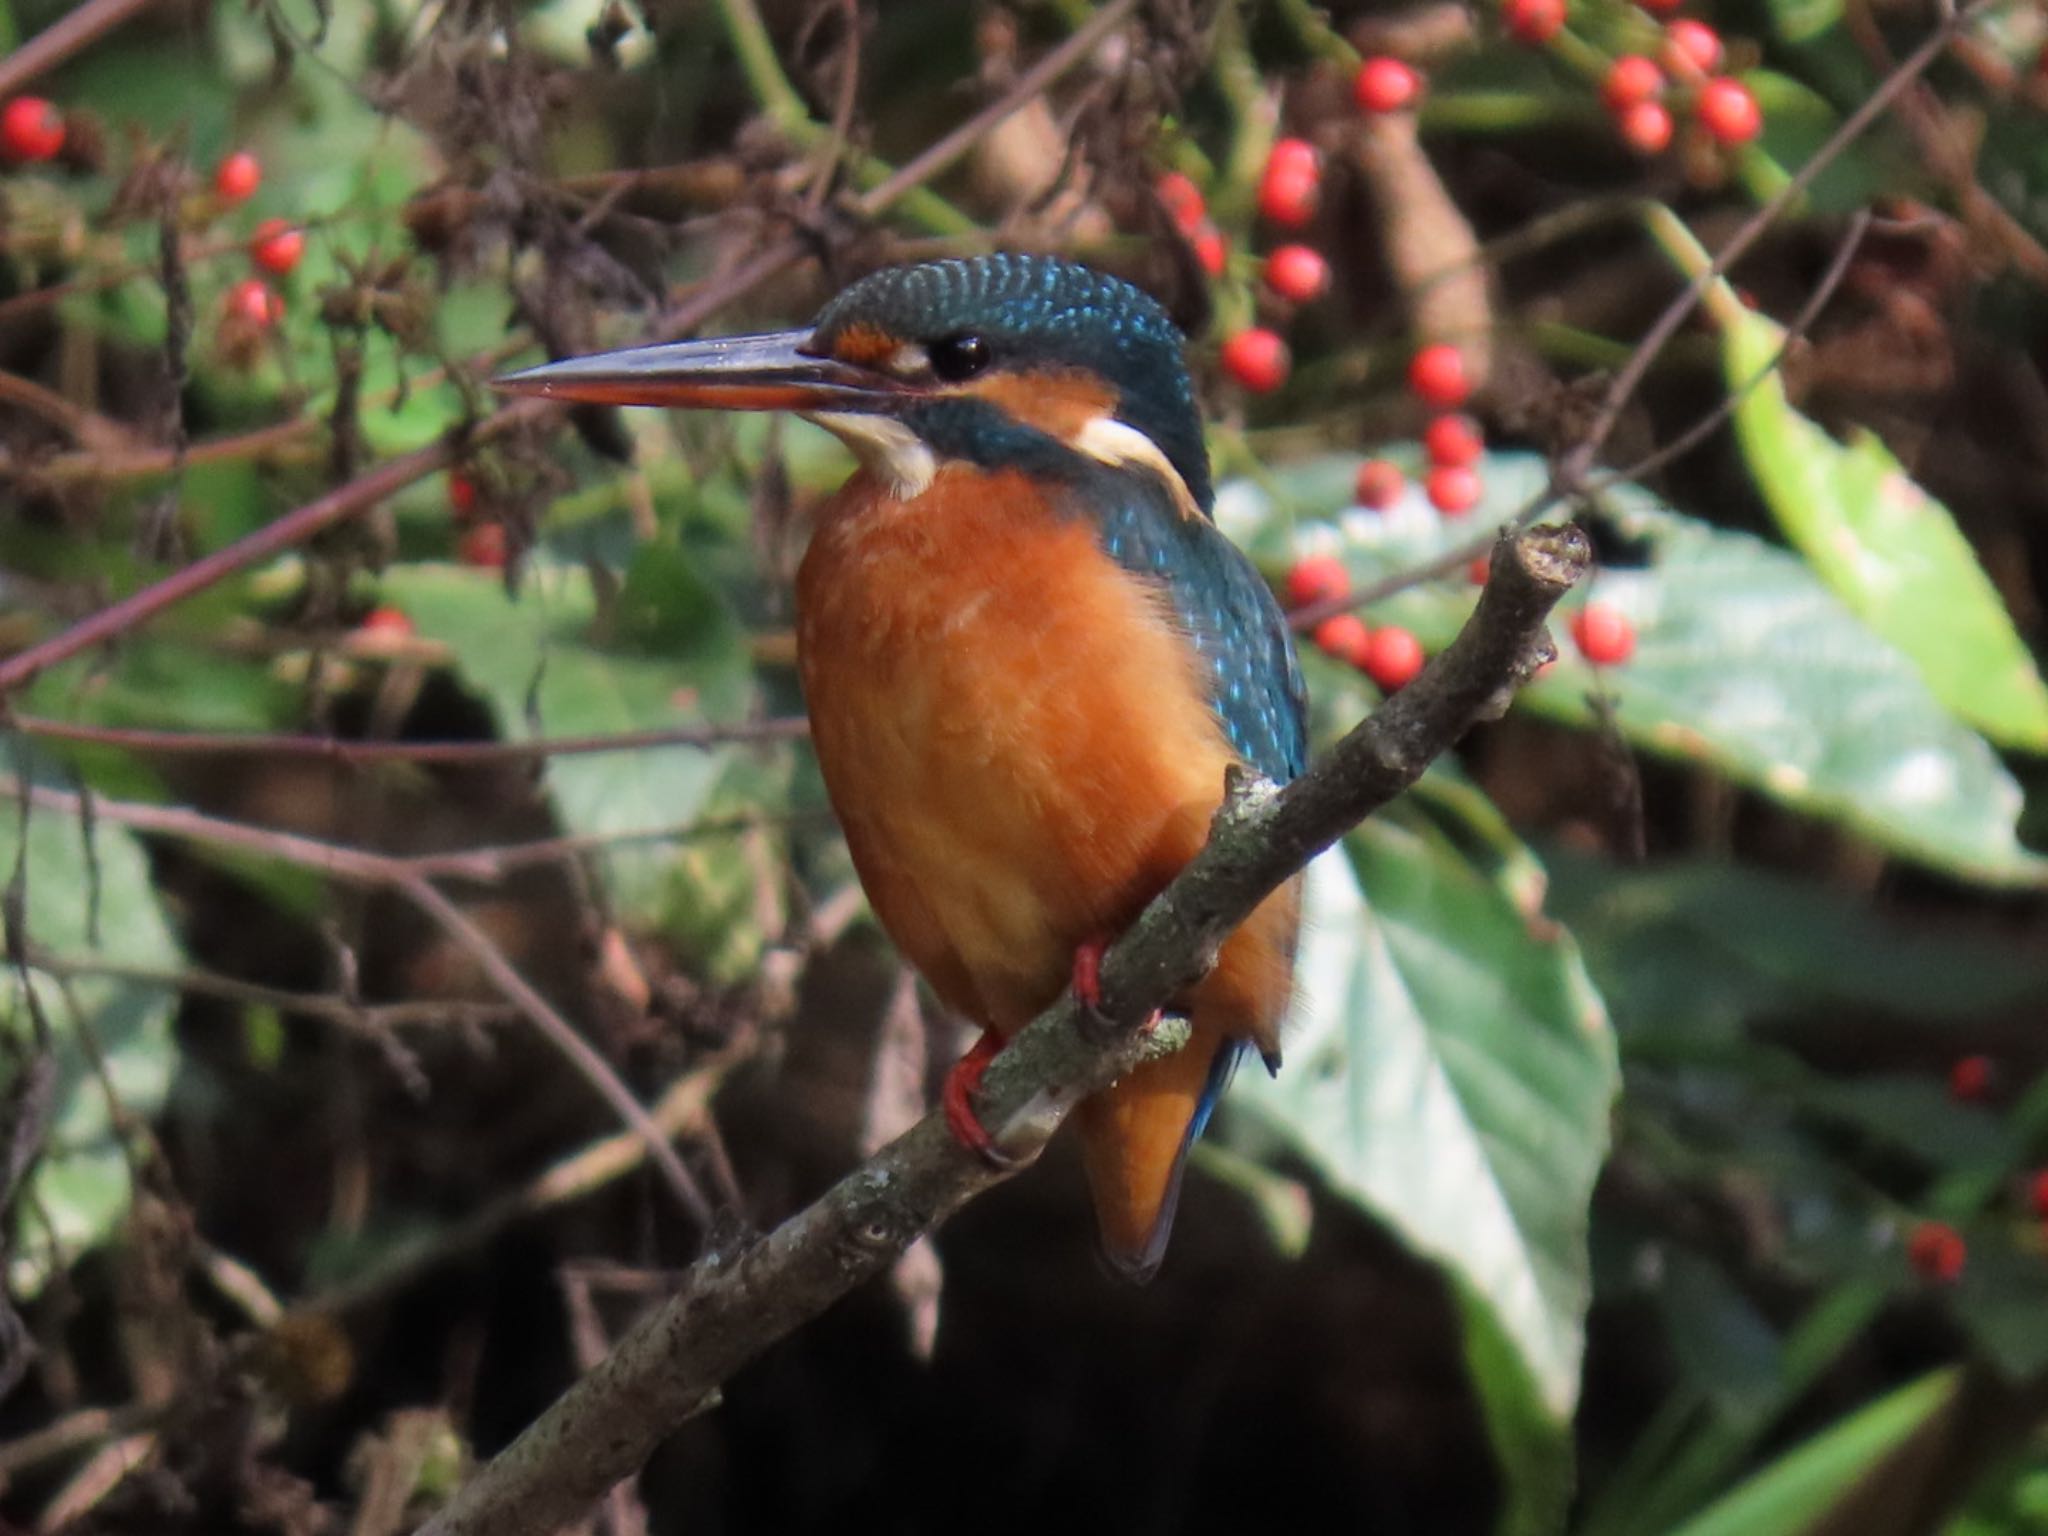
(665, 652)
(1450, 1069)
(80, 1190)
(1744, 661)
(1892, 552)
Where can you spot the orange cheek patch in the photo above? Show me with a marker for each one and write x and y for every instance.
(1058, 404)
(868, 345)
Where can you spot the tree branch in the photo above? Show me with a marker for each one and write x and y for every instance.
(731, 1307)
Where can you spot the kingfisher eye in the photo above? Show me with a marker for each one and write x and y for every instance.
(955, 358)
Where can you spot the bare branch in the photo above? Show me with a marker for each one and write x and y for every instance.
(334, 749)
(357, 866)
(71, 33)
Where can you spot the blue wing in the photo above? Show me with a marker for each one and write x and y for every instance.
(1232, 621)
(1237, 629)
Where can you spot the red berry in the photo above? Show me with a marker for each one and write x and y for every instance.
(1290, 183)
(1298, 272)
(256, 303)
(1937, 1252)
(238, 176)
(1295, 156)
(1386, 85)
(1478, 571)
(277, 246)
(2037, 1193)
(1534, 22)
(1211, 249)
(1392, 657)
(1380, 484)
(386, 621)
(1969, 1080)
(1631, 79)
(484, 547)
(1453, 439)
(1436, 376)
(1453, 489)
(31, 129)
(1604, 635)
(461, 496)
(1257, 358)
(1728, 111)
(1645, 127)
(1691, 47)
(1316, 579)
(1183, 201)
(1345, 637)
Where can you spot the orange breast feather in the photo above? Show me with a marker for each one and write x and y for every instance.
(1018, 748)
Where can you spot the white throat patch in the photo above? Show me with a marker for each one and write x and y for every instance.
(888, 449)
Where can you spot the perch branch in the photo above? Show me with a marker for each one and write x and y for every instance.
(732, 1306)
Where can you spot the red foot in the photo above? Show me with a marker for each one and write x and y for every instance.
(962, 1084)
(1088, 972)
(1088, 983)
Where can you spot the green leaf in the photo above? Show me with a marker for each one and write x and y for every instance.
(1892, 552)
(1801, 1488)
(664, 652)
(1450, 1069)
(1744, 661)
(80, 1189)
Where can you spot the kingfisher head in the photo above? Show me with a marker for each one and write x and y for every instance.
(1000, 361)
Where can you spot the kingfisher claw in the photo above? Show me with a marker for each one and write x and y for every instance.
(963, 1082)
(1088, 972)
(1088, 989)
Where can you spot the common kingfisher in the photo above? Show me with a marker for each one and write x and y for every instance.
(1028, 654)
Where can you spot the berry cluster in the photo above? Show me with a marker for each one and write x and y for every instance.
(1390, 655)
(1935, 1251)
(33, 130)
(274, 247)
(483, 545)
(1634, 88)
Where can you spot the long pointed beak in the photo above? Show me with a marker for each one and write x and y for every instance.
(771, 372)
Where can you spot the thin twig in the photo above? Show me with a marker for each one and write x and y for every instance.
(357, 866)
(332, 749)
(330, 1006)
(76, 30)
(682, 1111)
(730, 1308)
(1707, 425)
(949, 147)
